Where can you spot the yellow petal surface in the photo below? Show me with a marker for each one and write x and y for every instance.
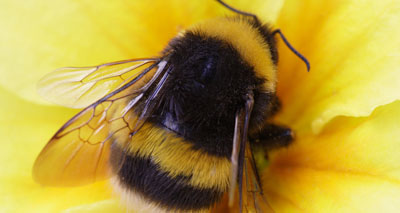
(354, 50)
(40, 36)
(25, 128)
(353, 165)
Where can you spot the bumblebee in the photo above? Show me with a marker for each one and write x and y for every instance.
(174, 132)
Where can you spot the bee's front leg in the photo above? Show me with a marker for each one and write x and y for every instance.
(273, 136)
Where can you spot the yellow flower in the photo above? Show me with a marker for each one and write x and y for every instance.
(345, 111)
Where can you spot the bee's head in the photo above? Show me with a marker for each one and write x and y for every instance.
(209, 82)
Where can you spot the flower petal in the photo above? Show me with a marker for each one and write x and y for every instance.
(105, 206)
(25, 128)
(353, 48)
(351, 166)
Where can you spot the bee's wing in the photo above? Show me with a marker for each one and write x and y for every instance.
(253, 198)
(244, 170)
(79, 152)
(77, 87)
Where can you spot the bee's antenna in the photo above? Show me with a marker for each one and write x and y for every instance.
(292, 48)
(236, 10)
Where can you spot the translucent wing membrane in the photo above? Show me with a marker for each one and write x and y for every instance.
(77, 87)
(253, 198)
(244, 170)
(79, 152)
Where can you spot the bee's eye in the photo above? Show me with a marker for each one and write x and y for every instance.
(209, 69)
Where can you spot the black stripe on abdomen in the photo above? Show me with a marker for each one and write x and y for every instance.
(141, 175)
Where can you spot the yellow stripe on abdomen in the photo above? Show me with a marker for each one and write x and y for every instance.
(177, 157)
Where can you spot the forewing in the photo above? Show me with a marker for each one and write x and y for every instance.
(79, 152)
(253, 198)
(77, 87)
(243, 167)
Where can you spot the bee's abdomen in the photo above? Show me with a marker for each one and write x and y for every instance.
(142, 176)
(168, 173)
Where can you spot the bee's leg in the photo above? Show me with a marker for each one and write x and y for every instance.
(274, 106)
(273, 136)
